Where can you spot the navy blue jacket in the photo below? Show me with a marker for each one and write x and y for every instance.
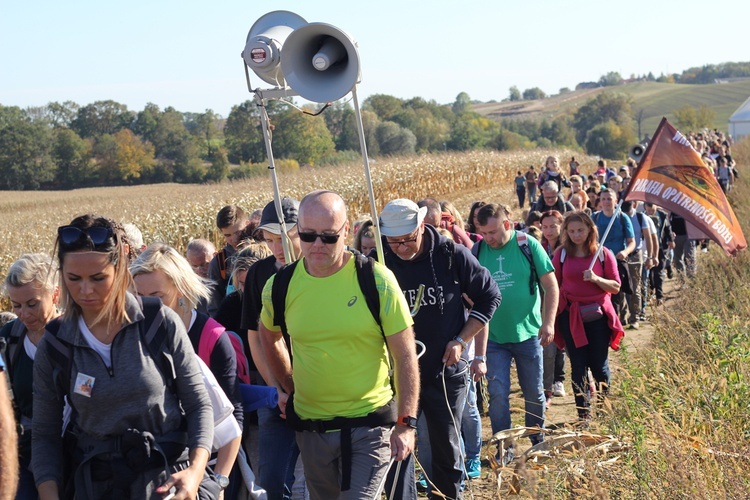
(442, 314)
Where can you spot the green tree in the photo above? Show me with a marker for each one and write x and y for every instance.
(219, 168)
(534, 94)
(686, 118)
(123, 157)
(462, 103)
(384, 106)
(207, 132)
(471, 131)
(73, 158)
(25, 151)
(395, 140)
(176, 149)
(301, 137)
(515, 94)
(146, 122)
(705, 116)
(243, 135)
(609, 140)
(101, 117)
(604, 107)
(610, 79)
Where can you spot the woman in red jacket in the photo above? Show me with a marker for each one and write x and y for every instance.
(587, 323)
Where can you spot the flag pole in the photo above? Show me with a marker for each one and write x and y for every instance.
(606, 233)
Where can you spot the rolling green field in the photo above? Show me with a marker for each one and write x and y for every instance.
(655, 99)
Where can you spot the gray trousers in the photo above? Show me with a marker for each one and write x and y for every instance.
(321, 458)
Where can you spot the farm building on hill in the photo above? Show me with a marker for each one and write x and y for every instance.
(739, 122)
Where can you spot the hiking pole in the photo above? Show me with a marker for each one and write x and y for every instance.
(266, 127)
(600, 248)
(368, 177)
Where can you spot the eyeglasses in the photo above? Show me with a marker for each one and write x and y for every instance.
(326, 238)
(397, 244)
(92, 236)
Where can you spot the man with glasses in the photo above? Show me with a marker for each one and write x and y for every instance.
(343, 406)
(420, 257)
(551, 200)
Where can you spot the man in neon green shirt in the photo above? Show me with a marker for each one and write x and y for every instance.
(340, 382)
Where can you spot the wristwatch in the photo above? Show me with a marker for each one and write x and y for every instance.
(462, 342)
(407, 421)
(222, 480)
(480, 358)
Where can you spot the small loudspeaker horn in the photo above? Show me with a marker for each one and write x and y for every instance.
(636, 152)
(264, 43)
(320, 62)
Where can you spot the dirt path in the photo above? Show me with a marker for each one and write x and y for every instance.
(562, 411)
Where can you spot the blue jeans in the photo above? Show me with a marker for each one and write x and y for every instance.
(528, 356)
(471, 423)
(277, 454)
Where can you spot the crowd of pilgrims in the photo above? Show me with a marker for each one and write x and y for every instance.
(207, 294)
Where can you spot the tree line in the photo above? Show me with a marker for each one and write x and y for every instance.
(64, 145)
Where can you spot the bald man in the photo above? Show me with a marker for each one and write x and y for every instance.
(344, 407)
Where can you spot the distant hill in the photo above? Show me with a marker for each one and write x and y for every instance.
(654, 99)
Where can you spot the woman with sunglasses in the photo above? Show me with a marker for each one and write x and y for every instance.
(160, 271)
(587, 323)
(30, 286)
(156, 428)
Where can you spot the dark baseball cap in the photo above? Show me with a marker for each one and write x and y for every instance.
(269, 221)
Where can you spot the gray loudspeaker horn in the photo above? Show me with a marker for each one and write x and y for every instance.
(320, 62)
(636, 151)
(264, 44)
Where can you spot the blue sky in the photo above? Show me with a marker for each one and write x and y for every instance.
(186, 54)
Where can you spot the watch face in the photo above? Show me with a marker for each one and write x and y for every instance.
(222, 480)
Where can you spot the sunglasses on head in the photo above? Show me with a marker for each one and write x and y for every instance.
(327, 238)
(92, 236)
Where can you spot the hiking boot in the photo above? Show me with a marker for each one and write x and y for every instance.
(558, 389)
(473, 467)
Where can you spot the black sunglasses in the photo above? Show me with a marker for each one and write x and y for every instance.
(328, 239)
(92, 236)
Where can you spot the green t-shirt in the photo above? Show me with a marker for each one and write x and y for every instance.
(519, 315)
(340, 358)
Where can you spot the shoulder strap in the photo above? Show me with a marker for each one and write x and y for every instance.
(15, 341)
(60, 356)
(279, 290)
(366, 278)
(523, 244)
(222, 260)
(449, 249)
(154, 335)
(210, 331)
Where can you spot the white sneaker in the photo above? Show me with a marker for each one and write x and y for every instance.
(558, 389)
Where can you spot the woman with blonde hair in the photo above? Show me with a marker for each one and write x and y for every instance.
(139, 432)
(160, 271)
(33, 292)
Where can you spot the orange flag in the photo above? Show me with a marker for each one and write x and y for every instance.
(671, 174)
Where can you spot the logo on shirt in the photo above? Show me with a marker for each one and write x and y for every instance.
(352, 301)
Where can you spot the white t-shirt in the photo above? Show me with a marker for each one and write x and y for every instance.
(104, 350)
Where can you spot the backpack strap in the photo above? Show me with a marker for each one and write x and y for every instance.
(523, 243)
(279, 290)
(476, 248)
(154, 335)
(366, 278)
(15, 341)
(209, 331)
(60, 355)
(222, 260)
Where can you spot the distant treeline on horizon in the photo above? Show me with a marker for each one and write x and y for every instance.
(65, 145)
